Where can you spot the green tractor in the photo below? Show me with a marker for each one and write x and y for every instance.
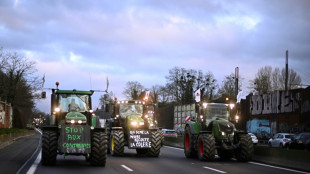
(133, 124)
(73, 128)
(211, 132)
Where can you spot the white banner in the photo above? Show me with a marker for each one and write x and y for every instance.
(197, 95)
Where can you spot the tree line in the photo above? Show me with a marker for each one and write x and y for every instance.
(182, 83)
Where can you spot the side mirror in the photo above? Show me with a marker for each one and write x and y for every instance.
(43, 94)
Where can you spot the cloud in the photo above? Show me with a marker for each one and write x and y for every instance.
(73, 41)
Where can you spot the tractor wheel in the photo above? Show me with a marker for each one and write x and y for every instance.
(98, 149)
(162, 137)
(155, 144)
(245, 150)
(49, 148)
(189, 143)
(117, 142)
(225, 154)
(206, 147)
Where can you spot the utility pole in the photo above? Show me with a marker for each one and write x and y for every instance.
(286, 71)
(236, 81)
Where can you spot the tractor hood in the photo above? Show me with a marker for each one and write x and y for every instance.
(226, 126)
(75, 117)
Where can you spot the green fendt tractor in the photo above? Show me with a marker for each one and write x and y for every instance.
(73, 128)
(133, 124)
(211, 131)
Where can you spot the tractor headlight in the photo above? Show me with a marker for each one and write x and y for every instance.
(134, 123)
(223, 133)
(72, 121)
(80, 121)
(141, 123)
(57, 109)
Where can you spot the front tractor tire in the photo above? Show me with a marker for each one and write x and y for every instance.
(245, 150)
(189, 143)
(117, 143)
(154, 151)
(206, 147)
(98, 149)
(49, 147)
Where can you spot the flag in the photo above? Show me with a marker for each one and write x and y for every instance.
(197, 95)
(147, 94)
(107, 84)
(43, 79)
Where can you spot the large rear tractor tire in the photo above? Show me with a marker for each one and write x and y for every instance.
(49, 148)
(245, 150)
(154, 151)
(189, 143)
(206, 147)
(117, 142)
(98, 149)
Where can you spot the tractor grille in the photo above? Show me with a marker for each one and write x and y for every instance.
(226, 127)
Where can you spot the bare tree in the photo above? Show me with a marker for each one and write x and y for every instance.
(19, 83)
(133, 90)
(268, 80)
(228, 88)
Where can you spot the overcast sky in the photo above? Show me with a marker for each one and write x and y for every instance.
(81, 43)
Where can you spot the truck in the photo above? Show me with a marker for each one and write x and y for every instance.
(210, 132)
(133, 124)
(73, 129)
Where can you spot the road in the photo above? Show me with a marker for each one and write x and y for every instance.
(171, 161)
(16, 158)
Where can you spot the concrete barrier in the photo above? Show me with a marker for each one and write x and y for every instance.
(7, 139)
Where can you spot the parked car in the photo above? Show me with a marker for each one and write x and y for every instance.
(300, 141)
(254, 138)
(280, 140)
(170, 133)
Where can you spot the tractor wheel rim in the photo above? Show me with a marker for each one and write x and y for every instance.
(112, 143)
(201, 148)
(186, 142)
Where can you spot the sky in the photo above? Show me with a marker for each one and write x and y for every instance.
(81, 43)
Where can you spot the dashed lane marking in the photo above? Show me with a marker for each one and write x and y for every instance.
(173, 147)
(266, 165)
(220, 171)
(127, 168)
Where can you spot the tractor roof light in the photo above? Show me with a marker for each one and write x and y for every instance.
(232, 106)
(205, 105)
(237, 117)
(134, 123)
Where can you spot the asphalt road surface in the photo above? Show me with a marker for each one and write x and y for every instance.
(171, 161)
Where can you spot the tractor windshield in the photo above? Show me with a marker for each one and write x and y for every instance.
(214, 111)
(73, 102)
(129, 110)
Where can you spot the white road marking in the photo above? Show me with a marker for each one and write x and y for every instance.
(34, 166)
(214, 169)
(127, 168)
(296, 171)
(173, 147)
